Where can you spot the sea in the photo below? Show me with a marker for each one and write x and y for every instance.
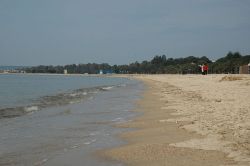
(57, 120)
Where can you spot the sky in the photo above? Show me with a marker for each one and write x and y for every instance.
(59, 32)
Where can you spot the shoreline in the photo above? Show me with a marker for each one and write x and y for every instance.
(172, 129)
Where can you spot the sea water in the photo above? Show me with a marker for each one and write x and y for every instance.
(62, 120)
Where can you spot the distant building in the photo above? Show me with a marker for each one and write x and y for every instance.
(65, 71)
(245, 69)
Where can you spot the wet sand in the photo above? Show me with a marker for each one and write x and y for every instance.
(189, 120)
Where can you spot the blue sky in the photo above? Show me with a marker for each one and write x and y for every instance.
(58, 32)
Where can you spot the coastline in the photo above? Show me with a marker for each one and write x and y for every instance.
(187, 123)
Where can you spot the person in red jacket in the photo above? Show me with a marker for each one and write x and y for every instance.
(205, 69)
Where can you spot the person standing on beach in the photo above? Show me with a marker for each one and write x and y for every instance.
(205, 69)
(202, 69)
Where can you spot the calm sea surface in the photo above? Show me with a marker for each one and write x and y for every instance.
(62, 120)
(20, 90)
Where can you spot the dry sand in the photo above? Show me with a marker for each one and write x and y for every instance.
(189, 120)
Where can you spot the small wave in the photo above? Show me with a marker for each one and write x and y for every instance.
(65, 98)
(31, 108)
(94, 92)
(17, 111)
(90, 142)
(94, 133)
(123, 85)
(107, 88)
(73, 94)
(75, 146)
(68, 97)
(117, 119)
(41, 162)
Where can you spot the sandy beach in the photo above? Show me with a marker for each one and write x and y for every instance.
(189, 120)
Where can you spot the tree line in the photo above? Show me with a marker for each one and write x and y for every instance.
(158, 65)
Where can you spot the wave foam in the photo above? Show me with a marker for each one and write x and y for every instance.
(31, 108)
(64, 98)
(90, 142)
(107, 88)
